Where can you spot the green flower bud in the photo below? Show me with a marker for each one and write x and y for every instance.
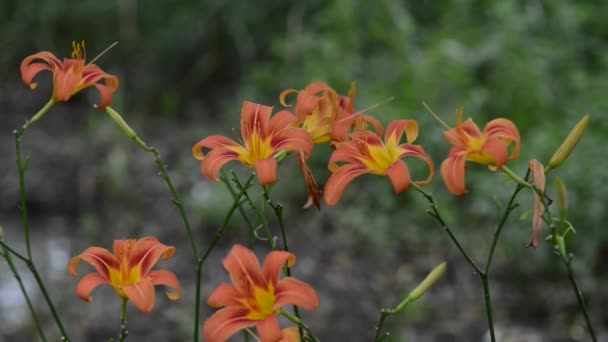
(427, 282)
(568, 145)
(121, 122)
(562, 198)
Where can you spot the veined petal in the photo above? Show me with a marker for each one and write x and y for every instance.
(244, 269)
(100, 258)
(87, 284)
(225, 295)
(295, 292)
(266, 170)
(470, 129)
(538, 171)
(505, 130)
(399, 175)
(409, 150)
(292, 139)
(281, 121)
(452, 172)
(105, 94)
(225, 323)
(65, 84)
(317, 87)
(146, 253)
(395, 130)
(166, 278)
(141, 294)
(273, 265)
(215, 160)
(314, 194)
(269, 329)
(306, 103)
(254, 117)
(213, 141)
(348, 152)
(29, 70)
(338, 181)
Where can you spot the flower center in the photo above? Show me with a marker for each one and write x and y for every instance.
(381, 158)
(262, 303)
(258, 149)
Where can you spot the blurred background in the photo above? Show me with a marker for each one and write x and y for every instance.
(185, 68)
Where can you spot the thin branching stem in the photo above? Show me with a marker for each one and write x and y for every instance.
(123, 321)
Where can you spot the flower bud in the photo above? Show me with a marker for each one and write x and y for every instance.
(562, 198)
(427, 282)
(568, 145)
(121, 122)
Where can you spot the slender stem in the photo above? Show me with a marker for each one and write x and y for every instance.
(11, 265)
(434, 212)
(488, 302)
(384, 313)
(309, 335)
(123, 321)
(580, 298)
(8, 249)
(259, 213)
(21, 166)
(226, 182)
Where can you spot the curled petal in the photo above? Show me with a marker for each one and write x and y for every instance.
(274, 262)
(378, 129)
(100, 258)
(215, 160)
(470, 129)
(266, 170)
(293, 139)
(452, 172)
(409, 150)
(87, 284)
(338, 181)
(269, 329)
(29, 70)
(538, 171)
(283, 96)
(399, 175)
(166, 278)
(394, 131)
(141, 294)
(295, 292)
(497, 149)
(505, 130)
(306, 103)
(317, 87)
(146, 253)
(213, 141)
(224, 295)
(244, 269)
(225, 323)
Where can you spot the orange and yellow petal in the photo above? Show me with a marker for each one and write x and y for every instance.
(87, 284)
(244, 269)
(494, 153)
(29, 69)
(452, 172)
(409, 150)
(166, 278)
(254, 118)
(506, 131)
(280, 121)
(141, 294)
(100, 258)
(225, 323)
(337, 182)
(274, 263)
(292, 139)
(146, 253)
(395, 130)
(215, 160)
(290, 291)
(212, 142)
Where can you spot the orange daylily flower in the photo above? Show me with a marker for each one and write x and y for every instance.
(367, 153)
(538, 170)
(70, 76)
(255, 296)
(490, 147)
(349, 119)
(128, 271)
(263, 137)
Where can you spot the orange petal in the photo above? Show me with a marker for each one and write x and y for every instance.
(100, 258)
(409, 150)
(378, 129)
(215, 160)
(452, 172)
(291, 335)
(166, 278)
(283, 96)
(225, 323)
(399, 175)
(225, 295)
(29, 70)
(141, 294)
(269, 329)
(293, 139)
(281, 121)
(295, 292)
(497, 148)
(87, 284)
(105, 93)
(395, 130)
(273, 265)
(306, 103)
(146, 253)
(212, 141)
(266, 170)
(338, 181)
(505, 130)
(65, 84)
(314, 194)
(254, 116)
(538, 171)
(244, 269)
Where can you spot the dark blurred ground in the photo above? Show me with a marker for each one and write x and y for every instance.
(185, 70)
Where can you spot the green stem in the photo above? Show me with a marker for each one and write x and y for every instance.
(233, 193)
(259, 211)
(123, 321)
(278, 212)
(384, 313)
(8, 249)
(24, 214)
(11, 265)
(309, 335)
(488, 302)
(579, 298)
